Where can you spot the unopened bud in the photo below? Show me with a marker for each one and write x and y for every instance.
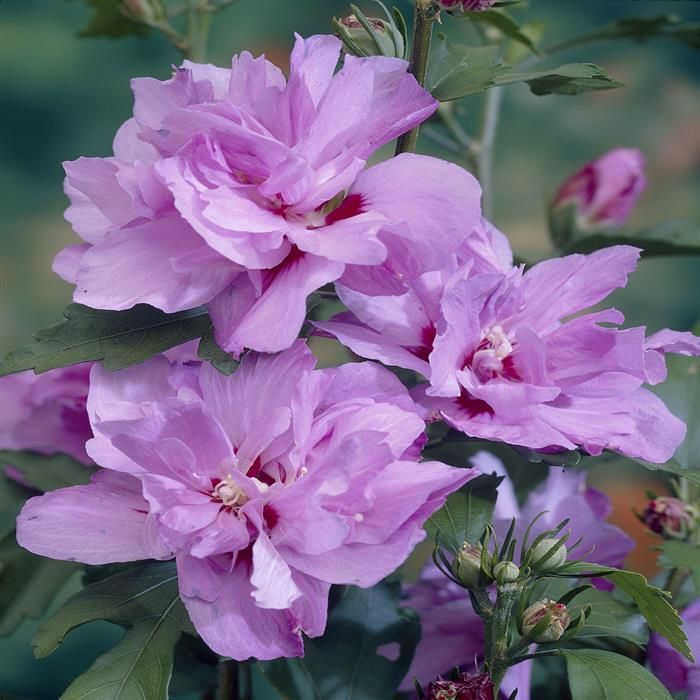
(460, 6)
(557, 617)
(144, 10)
(604, 192)
(466, 687)
(540, 561)
(467, 565)
(384, 39)
(506, 572)
(671, 517)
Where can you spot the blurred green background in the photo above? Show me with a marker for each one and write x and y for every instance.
(62, 97)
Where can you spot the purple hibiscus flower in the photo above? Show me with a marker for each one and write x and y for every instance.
(245, 191)
(605, 190)
(47, 412)
(267, 487)
(452, 632)
(673, 670)
(509, 355)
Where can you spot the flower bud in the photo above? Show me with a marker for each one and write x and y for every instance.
(385, 40)
(604, 191)
(459, 6)
(670, 517)
(144, 10)
(506, 572)
(557, 616)
(540, 551)
(466, 687)
(467, 565)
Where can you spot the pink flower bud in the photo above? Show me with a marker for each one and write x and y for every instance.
(357, 40)
(557, 615)
(466, 5)
(465, 688)
(506, 572)
(467, 565)
(670, 517)
(605, 191)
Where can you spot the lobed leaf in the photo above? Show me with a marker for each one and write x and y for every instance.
(116, 338)
(653, 603)
(459, 71)
(603, 675)
(136, 594)
(364, 654)
(140, 665)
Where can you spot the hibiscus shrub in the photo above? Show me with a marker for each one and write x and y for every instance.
(245, 516)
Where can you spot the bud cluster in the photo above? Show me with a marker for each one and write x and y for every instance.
(477, 566)
(502, 591)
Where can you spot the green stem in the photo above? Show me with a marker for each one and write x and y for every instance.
(198, 25)
(458, 132)
(228, 680)
(497, 633)
(424, 16)
(484, 155)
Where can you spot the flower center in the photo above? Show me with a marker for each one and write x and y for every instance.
(229, 493)
(493, 356)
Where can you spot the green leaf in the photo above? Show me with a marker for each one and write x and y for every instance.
(47, 472)
(347, 663)
(210, 350)
(670, 238)
(609, 618)
(459, 71)
(569, 79)
(28, 583)
(682, 555)
(602, 675)
(108, 20)
(671, 467)
(118, 338)
(506, 24)
(139, 666)
(144, 592)
(652, 602)
(466, 513)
